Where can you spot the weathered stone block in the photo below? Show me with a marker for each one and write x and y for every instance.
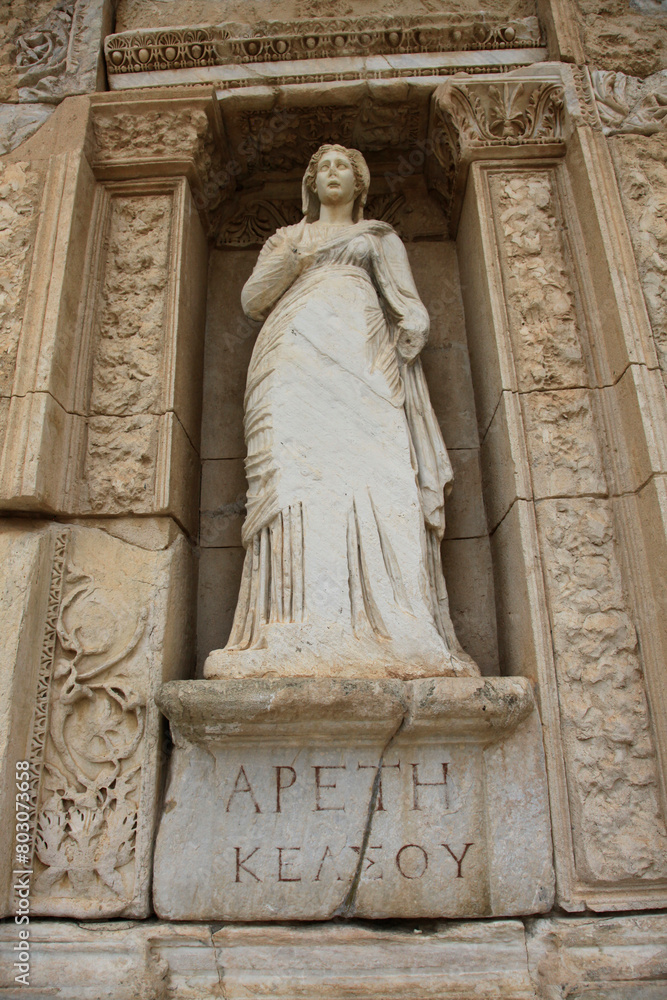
(464, 507)
(223, 496)
(219, 580)
(469, 575)
(125, 960)
(230, 337)
(618, 958)
(307, 799)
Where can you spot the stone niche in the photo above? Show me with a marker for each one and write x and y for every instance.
(375, 852)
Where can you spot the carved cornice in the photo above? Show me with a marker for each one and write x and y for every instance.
(628, 105)
(277, 41)
(483, 121)
(135, 137)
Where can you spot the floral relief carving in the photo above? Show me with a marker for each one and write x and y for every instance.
(563, 444)
(87, 816)
(255, 220)
(275, 41)
(470, 119)
(609, 754)
(508, 113)
(541, 306)
(278, 141)
(641, 168)
(121, 462)
(132, 307)
(19, 205)
(612, 773)
(42, 51)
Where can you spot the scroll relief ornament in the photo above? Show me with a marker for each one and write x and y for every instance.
(327, 37)
(86, 823)
(628, 105)
(42, 51)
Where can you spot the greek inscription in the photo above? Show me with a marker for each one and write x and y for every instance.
(413, 865)
(459, 861)
(279, 782)
(242, 789)
(282, 875)
(241, 864)
(417, 784)
(370, 862)
(320, 786)
(328, 853)
(381, 768)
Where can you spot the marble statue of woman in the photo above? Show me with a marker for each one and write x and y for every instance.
(346, 464)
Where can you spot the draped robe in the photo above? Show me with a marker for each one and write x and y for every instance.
(346, 468)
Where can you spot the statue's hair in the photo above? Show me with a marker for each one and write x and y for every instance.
(362, 179)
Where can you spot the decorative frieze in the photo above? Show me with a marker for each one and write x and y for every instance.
(42, 51)
(132, 316)
(20, 191)
(254, 219)
(641, 170)
(543, 322)
(278, 41)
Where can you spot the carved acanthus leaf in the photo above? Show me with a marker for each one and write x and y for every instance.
(505, 114)
(472, 121)
(628, 105)
(276, 41)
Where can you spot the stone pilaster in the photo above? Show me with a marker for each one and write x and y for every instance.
(568, 406)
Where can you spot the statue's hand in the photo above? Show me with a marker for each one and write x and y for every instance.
(297, 257)
(409, 344)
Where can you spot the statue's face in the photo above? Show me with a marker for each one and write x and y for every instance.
(335, 179)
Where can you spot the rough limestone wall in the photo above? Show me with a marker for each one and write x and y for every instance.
(618, 36)
(154, 13)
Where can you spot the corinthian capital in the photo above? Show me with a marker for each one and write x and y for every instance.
(483, 120)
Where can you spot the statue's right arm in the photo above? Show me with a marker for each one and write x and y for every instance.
(278, 264)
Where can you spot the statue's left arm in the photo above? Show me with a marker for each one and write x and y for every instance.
(395, 281)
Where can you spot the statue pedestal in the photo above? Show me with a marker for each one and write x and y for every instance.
(307, 799)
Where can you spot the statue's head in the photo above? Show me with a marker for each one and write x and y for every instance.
(362, 180)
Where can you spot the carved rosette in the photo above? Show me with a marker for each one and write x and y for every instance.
(490, 121)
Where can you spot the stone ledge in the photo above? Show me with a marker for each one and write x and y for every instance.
(222, 710)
